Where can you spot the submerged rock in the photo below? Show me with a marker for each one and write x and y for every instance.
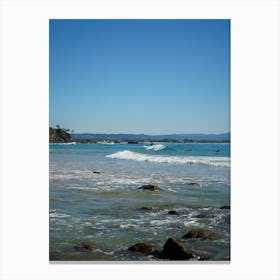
(144, 208)
(225, 207)
(142, 247)
(174, 250)
(193, 184)
(199, 233)
(173, 212)
(87, 245)
(150, 188)
(204, 215)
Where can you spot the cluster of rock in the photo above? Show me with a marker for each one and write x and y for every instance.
(173, 249)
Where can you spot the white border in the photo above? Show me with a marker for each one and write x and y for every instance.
(254, 128)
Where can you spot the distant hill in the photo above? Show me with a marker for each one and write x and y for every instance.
(224, 137)
(59, 135)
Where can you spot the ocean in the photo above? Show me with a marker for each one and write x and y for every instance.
(94, 197)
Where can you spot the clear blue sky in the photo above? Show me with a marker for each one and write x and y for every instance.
(140, 76)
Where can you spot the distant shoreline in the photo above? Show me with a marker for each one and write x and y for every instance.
(139, 142)
(143, 138)
(62, 135)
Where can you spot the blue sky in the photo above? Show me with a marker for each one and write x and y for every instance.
(140, 76)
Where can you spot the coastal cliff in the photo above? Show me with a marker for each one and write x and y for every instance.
(59, 135)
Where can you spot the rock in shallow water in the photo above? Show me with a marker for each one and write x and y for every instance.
(199, 233)
(225, 207)
(204, 216)
(145, 208)
(86, 246)
(193, 184)
(150, 188)
(142, 247)
(173, 212)
(174, 250)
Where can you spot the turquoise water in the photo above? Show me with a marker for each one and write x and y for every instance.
(94, 196)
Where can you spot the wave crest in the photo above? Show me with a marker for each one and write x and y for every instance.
(157, 147)
(200, 160)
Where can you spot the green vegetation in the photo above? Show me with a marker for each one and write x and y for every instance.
(59, 135)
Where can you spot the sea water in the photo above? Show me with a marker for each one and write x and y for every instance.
(94, 196)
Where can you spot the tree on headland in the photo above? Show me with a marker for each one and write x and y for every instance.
(58, 127)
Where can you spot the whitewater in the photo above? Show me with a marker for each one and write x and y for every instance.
(95, 195)
(204, 160)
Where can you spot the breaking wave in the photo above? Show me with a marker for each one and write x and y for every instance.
(155, 147)
(199, 160)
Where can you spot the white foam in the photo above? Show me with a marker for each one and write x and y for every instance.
(191, 223)
(70, 143)
(171, 189)
(168, 221)
(157, 147)
(128, 226)
(56, 173)
(203, 160)
(58, 215)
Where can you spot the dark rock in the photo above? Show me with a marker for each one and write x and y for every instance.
(96, 172)
(87, 245)
(157, 254)
(203, 215)
(146, 208)
(174, 250)
(199, 233)
(173, 212)
(142, 247)
(193, 184)
(225, 207)
(150, 188)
